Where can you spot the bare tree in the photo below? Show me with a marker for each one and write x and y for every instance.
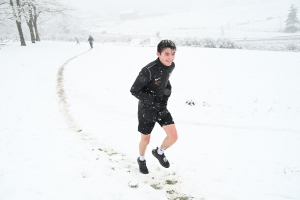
(47, 9)
(31, 11)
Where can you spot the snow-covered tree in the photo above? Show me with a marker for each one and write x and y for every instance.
(292, 19)
(30, 11)
(34, 9)
(46, 9)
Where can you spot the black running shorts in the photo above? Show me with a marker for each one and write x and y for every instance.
(148, 116)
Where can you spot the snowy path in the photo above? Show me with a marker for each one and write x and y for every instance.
(240, 141)
(62, 95)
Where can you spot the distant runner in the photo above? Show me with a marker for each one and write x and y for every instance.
(91, 40)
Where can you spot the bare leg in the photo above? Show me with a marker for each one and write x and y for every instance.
(145, 139)
(171, 136)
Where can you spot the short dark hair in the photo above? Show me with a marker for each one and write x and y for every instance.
(165, 44)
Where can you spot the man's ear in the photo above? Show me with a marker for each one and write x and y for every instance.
(158, 54)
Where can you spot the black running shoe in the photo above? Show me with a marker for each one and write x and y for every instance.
(161, 158)
(142, 166)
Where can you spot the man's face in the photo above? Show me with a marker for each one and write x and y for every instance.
(167, 56)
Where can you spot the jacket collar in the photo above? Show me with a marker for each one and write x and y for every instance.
(160, 65)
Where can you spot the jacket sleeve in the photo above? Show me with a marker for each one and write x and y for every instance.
(137, 89)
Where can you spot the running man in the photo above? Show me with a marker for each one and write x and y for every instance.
(153, 89)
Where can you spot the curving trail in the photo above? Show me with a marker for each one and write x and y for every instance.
(62, 95)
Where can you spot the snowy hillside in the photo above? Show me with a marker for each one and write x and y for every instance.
(69, 125)
(229, 20)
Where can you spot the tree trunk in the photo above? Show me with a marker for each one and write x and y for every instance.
(17, 16)
(30, 25)
(19, 26)
(34, 20)
(37, 36)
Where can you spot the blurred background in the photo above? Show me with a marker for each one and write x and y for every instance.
(188, 22)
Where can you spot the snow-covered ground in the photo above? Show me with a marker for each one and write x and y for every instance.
(240, 141)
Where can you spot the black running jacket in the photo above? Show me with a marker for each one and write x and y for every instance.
(152, 85)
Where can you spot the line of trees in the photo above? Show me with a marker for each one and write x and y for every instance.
(29, 12)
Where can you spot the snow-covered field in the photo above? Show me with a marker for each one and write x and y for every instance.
(241, 141)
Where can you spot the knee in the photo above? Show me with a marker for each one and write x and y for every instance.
(171, 133)
(145, 140)
(174, 136)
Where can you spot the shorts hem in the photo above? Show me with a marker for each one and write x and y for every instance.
(162, 125)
